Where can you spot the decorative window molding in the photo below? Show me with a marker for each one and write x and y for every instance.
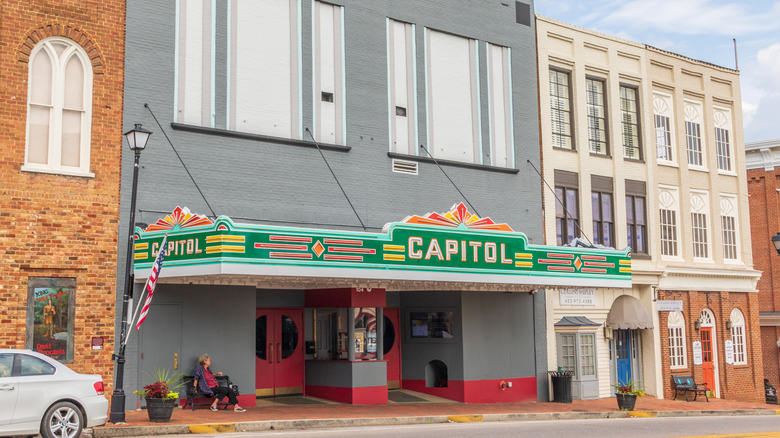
(678, 351)
(738, 337)
(729, 229)
(700, 225)
(664, 127)
(59, 108)
(670, 230)
(723, 140)
(694, 137)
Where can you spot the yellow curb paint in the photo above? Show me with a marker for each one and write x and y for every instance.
(213, 428)
(465, 418)
(642, 414)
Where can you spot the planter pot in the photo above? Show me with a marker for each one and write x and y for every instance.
(626, 402)
(160, 409)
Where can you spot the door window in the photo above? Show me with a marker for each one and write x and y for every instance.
(577, 353)
(6, 364)
(261, 337)
(388, 337)
(289, 336)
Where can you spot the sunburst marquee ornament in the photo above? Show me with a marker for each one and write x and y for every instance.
(457, 217)
(182, 218)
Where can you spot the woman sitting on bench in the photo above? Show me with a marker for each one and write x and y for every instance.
(205, 381)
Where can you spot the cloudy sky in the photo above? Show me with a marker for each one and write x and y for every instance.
(699, 29)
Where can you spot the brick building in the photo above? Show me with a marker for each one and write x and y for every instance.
(61, 82)
(763, 172)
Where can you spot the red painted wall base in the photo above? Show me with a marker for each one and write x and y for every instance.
(373, 395)
(480, 391)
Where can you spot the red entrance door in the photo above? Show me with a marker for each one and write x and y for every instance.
(708, 368)
(279, 352)
(392, 347)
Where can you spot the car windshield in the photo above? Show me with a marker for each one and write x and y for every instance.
(32, 366)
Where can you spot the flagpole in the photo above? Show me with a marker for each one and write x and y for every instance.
(143, 293)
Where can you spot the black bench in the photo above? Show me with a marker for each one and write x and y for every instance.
(193, 392)
(686, 384)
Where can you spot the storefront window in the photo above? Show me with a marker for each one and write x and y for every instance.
(51, 302)
(365, 333)
(431, 324)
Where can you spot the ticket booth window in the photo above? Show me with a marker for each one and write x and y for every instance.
(365, 333)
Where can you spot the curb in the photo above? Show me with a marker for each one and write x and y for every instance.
(330, 423)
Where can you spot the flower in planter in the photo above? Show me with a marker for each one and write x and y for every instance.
(630, 387)
(165, 383)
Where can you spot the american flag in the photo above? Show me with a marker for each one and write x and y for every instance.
(151, 282)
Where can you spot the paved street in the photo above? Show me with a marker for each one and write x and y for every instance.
(742, 427)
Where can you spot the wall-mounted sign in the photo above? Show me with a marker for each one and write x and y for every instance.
(454, 246)
(669, 305)
(577, 297)
(97, 343)
(729, 347)
(697, 359)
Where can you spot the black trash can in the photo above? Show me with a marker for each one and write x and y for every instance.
(561, 382)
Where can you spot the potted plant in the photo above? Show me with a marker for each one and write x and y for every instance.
(160, 396)
(627, 393)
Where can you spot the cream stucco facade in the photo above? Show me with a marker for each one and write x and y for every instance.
(577, 161)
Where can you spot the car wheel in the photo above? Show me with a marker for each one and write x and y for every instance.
(62, 420)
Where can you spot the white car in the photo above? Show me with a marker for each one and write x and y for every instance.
(41, 395)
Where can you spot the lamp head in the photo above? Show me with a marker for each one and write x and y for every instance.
(776, 242)
(137, 137)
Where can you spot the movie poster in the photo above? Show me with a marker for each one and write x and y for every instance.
(50, 304)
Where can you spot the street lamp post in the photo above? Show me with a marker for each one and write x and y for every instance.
(136, 138)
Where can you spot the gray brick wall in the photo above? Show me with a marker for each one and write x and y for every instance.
(251, 180)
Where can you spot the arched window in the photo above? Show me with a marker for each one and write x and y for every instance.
(678, 356)
(59, 108)
(738, 336)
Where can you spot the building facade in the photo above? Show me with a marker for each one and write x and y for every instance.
(644, 150)
(340, 116)
(763, 171)
(62, 70)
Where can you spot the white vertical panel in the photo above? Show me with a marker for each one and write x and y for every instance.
(263, 80)
(450, 97)
(400, 73)
(190, 107)
(326, 70)
(498, 96)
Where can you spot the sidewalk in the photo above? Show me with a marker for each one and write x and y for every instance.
(311, 413)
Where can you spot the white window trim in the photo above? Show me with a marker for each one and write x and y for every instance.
(55, 118)
(702, 135)
(675, 193)
(738, 320)
(669, 99)
(678, 323)
(730, 129)
(733, 200)
(708, 223)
